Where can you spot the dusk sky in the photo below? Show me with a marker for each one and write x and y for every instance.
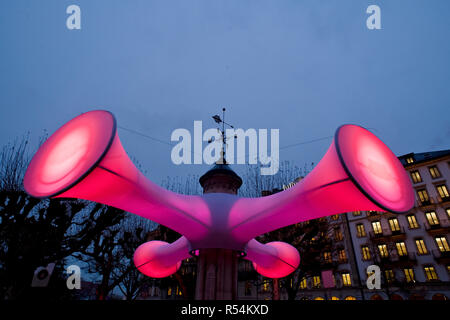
(304, 67)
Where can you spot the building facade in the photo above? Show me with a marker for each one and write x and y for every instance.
(412, 250)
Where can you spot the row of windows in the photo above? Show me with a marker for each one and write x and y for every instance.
(342, 256)
(424, 198)
(410, 277)
(437, 296)
(433, 170)
(400, 246)
(332, 298)
(394, 224)
(316, 281)
(346, 280)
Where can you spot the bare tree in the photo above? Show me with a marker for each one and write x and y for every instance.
(14, 158)
(188, 185)
(254, 183)
(134, 232)
(35, 232)
(310, 238)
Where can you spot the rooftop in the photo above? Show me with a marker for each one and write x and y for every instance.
(219, 169)
(422, 157)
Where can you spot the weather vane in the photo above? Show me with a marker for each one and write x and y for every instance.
(223, 136)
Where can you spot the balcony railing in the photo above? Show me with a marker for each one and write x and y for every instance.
(442, 224)
(372, 215)
(443, 199)
(379, 234)
(387, 232)
(394, 258)
(398, 232)
(343, 260)
(428, 202)
(409, 256)
(438, 254)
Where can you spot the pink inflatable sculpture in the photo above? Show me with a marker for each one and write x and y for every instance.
(84, 159)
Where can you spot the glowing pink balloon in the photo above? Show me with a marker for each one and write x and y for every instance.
(274, 259)
(159, 259)
(84, 159)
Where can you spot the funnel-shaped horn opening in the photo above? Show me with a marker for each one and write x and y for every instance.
(374, 169)
(70, 154)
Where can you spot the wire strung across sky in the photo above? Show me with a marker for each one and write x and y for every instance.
(172, 145)
(146, 136)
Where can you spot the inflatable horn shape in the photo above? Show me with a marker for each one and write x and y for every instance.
(85, 159)
(358, 172)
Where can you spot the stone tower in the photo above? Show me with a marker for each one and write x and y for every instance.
(217, 268)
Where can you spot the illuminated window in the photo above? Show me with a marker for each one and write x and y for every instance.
(434, 172)
(432, 218)
(338, 234)
(382, 248)
(319, 298)
(356, 213)
(430, 273)
(346, 280)
(335, 217)
(423, 195)
(179, 292)
(409, 275)
(448, 268)
(412, 222)
(365, 253)
(350, 298)
(316, 281)
(303, 284)
(421, 247)
(394, 225)
(443, 191)
(442, 244)
(342, 255)
(327, 257)
(266, 286)
(415, 176)
(360, 231)
(376, 226)
(169, 291)
(390, 276)
(448, 212)
(334, 298)
(409, 160)
(401, 249)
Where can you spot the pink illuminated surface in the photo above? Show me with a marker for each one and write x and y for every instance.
(69, 153)
(84, 159)
(375, 168)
